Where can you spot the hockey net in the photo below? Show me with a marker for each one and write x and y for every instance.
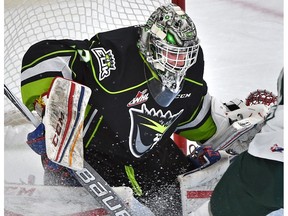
(30, 21)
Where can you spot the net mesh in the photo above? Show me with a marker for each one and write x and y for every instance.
(28, 22)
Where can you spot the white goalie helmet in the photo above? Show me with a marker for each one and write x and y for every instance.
(170, 45)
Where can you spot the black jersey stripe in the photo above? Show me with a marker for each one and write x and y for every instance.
(41, 76)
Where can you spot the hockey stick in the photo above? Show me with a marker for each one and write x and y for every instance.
(87, 177)
(20, 106)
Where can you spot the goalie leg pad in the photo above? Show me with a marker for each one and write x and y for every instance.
(64, 118)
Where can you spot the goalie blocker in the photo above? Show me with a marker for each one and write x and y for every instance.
(63, 120)
(245, 122)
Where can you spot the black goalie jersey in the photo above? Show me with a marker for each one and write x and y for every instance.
(125, 125)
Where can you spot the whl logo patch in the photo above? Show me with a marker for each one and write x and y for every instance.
(148, 127)
(141, 97)
(106, 62)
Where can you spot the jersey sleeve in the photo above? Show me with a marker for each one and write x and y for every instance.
(43, 62)
(201, 125)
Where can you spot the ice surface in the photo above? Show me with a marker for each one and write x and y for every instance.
(242, 43)
(19, 160)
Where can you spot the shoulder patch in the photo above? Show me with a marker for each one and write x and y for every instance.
(106, 61)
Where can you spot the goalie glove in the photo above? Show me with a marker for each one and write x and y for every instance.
(236, 124)
(64, 120)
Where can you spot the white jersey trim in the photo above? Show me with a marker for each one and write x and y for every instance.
(54, 64)
(201, 115)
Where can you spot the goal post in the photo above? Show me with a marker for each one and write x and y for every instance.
(27, 22)
(179, 140)
(180, 3)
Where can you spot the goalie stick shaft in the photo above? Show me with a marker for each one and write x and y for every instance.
(21, 107)
(87, 177)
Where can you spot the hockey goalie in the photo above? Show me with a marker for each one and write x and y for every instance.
(115, 100)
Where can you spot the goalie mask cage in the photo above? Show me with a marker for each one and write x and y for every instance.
(30, 21)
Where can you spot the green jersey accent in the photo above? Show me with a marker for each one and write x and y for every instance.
(30, 91)
(202, 133)
(131, 176)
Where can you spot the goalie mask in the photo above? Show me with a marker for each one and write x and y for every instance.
(170, 45)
